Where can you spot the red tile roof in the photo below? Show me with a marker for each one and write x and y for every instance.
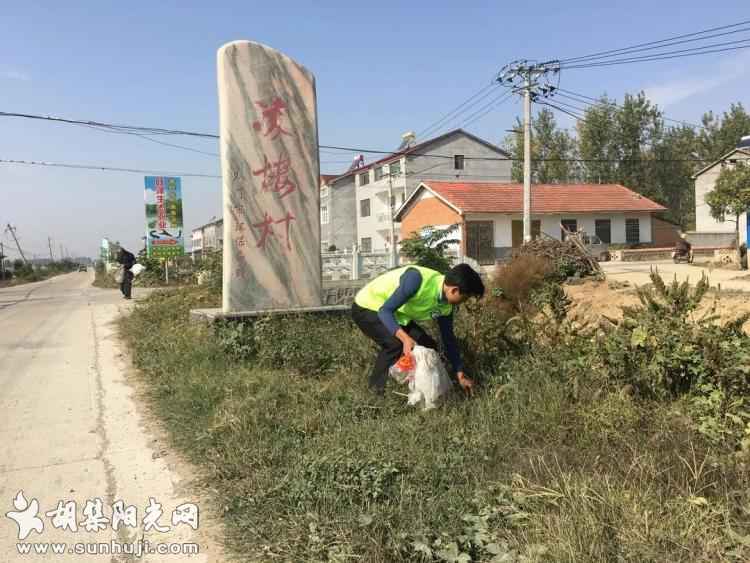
(480, 197)
(326, 178)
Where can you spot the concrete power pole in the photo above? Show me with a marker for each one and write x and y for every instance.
(18, 246)
(534, 80)
(391, 217)
(527, 158)
(2, 259)
(49, 243)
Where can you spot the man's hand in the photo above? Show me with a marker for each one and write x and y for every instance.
(406, 340)
(466, 383)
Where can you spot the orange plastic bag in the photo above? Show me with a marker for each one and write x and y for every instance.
(403, 370)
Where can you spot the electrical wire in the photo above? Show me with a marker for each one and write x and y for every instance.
(682, 53)
(628, 52)
(481, 94)
(569, 94)
(663, 42)
(494, 105)
(106, 168)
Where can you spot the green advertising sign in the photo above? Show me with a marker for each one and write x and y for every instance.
(164, 217)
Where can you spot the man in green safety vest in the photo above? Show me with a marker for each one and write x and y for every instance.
(387, 310)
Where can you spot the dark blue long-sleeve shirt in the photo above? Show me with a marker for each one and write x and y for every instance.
(409, 284)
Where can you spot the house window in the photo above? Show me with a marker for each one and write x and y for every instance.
(378, 173)
(364, 208)
(364, 178)
(458, 162)
(480, 241)
(603, 229)
(366, 244)
(324, 215)
(632, 231)
(395, 168)
(570, 225)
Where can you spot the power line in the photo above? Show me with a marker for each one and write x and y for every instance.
(496, 103)
(682, 53)
(458, 109)
(106, 168)
(164, 143)
(121, 128)
(631, 51)
(588, 100)
(662, 42)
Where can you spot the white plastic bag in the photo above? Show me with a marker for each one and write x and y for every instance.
(430, 381)
(120, 274)
(137, 269)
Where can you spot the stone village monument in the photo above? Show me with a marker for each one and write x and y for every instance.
(270, 172)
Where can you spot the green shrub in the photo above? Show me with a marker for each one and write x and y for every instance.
(429, 249)
(663, 348)
(308, 344)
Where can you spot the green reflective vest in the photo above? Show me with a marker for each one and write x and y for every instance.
(422, 306)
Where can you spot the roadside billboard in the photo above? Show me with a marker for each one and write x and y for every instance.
(163, 196)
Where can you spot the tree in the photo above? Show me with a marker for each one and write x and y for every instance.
(670, 171)
(638, 126)
(731, 195)
(428, 249)
(721, 134)
(596, 143)
(551, 150)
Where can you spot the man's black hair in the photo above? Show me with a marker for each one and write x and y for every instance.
(466, 280)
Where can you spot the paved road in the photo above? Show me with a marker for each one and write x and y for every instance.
(638, 273)
(70, 429)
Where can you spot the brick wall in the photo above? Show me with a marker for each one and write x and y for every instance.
(426, 212)
(665, 234)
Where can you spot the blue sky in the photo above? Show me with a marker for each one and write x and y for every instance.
(381, 69)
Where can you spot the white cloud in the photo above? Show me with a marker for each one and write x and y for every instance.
(14, 75)
(712, 77)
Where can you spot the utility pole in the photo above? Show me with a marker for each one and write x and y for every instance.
(2, 259)
(391, 202)
(49, 243)
(535, 81)
(18, 246)
(527, 158)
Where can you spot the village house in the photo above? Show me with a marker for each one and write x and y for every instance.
(356, 207)
(490, 215)
(207, 238)
(709, 231)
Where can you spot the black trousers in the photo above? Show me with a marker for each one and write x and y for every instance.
(391, 347)
(127, 283)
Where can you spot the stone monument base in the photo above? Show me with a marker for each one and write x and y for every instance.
(212, 315)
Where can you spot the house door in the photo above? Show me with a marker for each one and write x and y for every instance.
(480, 241)
(516, 228)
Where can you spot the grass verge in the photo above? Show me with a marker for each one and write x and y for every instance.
(540, 465)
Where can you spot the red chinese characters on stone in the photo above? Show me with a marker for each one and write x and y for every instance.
(271, 116)
(276, 176)
(266, 229)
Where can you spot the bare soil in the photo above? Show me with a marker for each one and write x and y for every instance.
(593, 300)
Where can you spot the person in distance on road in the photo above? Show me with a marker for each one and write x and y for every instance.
(127, 260)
